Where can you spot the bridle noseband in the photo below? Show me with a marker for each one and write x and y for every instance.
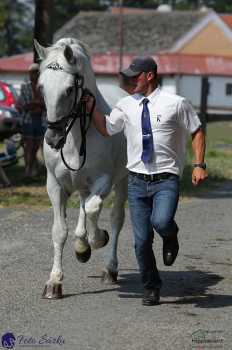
(78, 110)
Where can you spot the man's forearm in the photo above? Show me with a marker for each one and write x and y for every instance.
(198, 146)
(99, 120)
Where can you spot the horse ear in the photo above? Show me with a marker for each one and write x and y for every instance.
(68, 54)
(41, 51)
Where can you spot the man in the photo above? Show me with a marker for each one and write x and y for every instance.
(30, 103)
(156, 124)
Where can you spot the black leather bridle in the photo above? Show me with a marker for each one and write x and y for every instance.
(78, 110)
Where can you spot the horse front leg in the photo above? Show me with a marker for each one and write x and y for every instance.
(90, 210)
(81, 245)
(110, 272)
(58, 197)
(97, 237)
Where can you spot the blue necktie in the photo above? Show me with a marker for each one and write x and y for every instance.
(148, 147)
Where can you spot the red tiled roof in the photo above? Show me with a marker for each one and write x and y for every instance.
(169, 64)
(16, 63)
(108, 64)
(227, 19)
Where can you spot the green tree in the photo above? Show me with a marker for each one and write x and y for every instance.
(16, 23)
(221, 6)
(141, 3)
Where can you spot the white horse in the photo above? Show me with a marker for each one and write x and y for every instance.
(65, 71)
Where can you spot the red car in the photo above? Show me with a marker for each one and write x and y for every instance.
(8, 96)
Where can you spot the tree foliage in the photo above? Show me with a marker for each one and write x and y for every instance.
(220, 6)
(16, 23)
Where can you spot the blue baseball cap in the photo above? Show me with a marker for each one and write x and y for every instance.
(139, 65)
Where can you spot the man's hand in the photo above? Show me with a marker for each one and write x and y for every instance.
(89, 100)
(198, 175)
(99, 119)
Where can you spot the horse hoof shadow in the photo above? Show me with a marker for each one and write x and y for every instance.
(109, 277)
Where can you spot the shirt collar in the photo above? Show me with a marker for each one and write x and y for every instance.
(151, 97)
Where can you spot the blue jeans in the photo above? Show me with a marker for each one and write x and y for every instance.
(152, 206)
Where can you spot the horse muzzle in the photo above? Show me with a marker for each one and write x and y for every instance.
(55, 139)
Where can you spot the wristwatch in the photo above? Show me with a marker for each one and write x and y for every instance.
(200, 165)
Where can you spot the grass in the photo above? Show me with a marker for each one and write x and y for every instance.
(218, 158)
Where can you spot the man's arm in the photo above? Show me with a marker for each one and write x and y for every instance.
(198, 146)
(106, 125)
(99, 121)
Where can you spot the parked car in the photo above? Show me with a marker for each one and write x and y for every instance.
(10, 122)
(8, 95)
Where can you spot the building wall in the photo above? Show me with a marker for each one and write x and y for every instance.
(169, 84)
(210, 41)
(218, 101)
(217, 97)
(190, 87)
(185, 85)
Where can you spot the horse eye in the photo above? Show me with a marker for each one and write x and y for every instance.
(69, 90)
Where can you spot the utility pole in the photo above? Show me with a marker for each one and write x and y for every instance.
(121, 43)
(204, 101)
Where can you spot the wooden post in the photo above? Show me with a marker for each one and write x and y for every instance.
(120, 35)
(43, 29)
(204, 101)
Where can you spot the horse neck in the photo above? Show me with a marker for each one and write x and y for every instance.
(101, 103)
(90, 80)
(90, 84)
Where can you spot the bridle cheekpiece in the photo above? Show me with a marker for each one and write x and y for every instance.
(78, 110)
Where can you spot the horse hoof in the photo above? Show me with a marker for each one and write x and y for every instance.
(100, 243)
(84, 256)
(52, 291)
(109, 277)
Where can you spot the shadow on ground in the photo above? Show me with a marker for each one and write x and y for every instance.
(222, 190)
(186, 287)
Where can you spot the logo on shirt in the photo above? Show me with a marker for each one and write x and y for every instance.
(158, 118)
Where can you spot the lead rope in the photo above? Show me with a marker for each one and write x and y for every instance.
(81, 111)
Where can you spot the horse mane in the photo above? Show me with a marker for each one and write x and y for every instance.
(78, 44)
(56, 49)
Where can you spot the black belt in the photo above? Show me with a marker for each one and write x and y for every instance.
(152, 177)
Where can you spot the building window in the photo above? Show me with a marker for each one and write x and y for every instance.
(229, 89)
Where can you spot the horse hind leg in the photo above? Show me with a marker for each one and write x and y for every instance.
(53, 287)
(110, 272)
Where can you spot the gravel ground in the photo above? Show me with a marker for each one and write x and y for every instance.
(196, 298)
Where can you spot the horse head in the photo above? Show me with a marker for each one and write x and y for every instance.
(65, 71)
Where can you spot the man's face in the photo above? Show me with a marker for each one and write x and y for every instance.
(142, 82)
(126, 84)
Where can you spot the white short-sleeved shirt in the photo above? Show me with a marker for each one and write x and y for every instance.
(172, 119)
